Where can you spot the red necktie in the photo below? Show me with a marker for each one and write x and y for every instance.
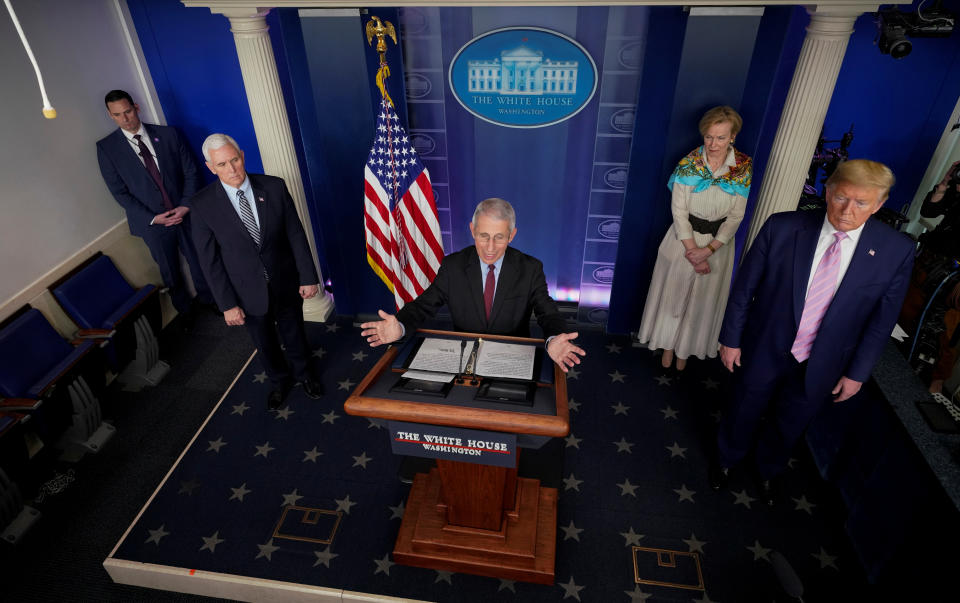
(488, 288)
(818, 299)
(152, 169)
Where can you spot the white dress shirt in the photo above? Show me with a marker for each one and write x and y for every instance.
(248, 193)
(847, 247)
(146, 140)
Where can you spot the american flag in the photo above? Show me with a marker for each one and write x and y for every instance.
(404, 246)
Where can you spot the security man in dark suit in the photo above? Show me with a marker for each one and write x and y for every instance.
(254, 254)
(489, 288)
(151, 173)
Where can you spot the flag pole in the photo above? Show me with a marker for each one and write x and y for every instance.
(380, 30)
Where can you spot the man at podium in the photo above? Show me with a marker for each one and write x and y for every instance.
(488, 288)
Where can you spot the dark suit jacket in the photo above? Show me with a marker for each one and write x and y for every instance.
(233, 264)
(522, 288)
(766, 301)
(132, 186)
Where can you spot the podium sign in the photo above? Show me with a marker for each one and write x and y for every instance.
(454, 444)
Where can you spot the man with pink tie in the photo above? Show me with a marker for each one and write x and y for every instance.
(809, 313)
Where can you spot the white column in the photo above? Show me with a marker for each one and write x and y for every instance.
(271, 124)
(804, 110)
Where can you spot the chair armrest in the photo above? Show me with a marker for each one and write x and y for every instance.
(95, 333)
(20, 404)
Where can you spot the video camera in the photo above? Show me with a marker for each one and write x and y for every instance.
(894, 26)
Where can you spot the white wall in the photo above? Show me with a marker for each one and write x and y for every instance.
(55, 206)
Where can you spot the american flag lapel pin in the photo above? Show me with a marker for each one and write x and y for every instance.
(872, 252)
(260, 199)
(155, 139)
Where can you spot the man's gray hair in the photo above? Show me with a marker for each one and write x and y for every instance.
(496, 208)
(214, 142)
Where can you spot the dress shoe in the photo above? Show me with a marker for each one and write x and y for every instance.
(772, 490)
(313, 389)
(718, 475)
(275, 399)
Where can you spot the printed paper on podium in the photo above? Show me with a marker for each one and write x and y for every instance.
(505, 360)
(438, 356)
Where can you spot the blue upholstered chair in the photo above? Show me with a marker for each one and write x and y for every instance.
(105, 306)
(53, 383)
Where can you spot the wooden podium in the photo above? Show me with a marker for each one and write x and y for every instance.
(466, 517)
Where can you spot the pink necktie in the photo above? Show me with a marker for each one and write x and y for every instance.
(818, 300)
(488, 289)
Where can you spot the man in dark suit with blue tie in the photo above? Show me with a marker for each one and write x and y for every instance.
(151, 173)
(255, 256)
(812, 307)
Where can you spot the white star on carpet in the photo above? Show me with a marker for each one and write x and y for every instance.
(188, 487)
(711, 384)
(344, 504)
(374, 423)
(627, 488)
(324, 557)
(677, 450)
(571, 531)
(668, 413)
(210, 542)
(790, 462)
(573, 404)
(507, 584)
(637, 595)
(260, 377)
(319, 353)
(613, 348)
(156, 535)
(329, 417)
(239, 409)
(332, 327)
(684, 493)
(345, 384)
(397, 512)
(443, 576)
(264, 449)
(570, 589)
(284, 413)
(573, 374)
(291, 498)
(571, 483)
(716, 416)
(215, 445)
(311, 455)
(694, 545)
(616, 376)
(359, 355)
(239, 493)
(362, 460)
(663, 380)
(383, 565)
(573, 441)
(623, 446)
(631, 538)
(742, 498)
(266, 550)
(825, 559)
(759, 552)
(619, 409)
(804, 505)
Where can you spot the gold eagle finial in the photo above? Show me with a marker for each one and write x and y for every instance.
(380, 29)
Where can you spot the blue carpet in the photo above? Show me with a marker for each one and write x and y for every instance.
(634, 470)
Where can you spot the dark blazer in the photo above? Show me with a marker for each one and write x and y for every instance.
(766, 301)
(233, 264)
(521, 289)
(132, 186)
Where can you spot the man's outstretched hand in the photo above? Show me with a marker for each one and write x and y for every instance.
(563, 352)
(381, 332)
